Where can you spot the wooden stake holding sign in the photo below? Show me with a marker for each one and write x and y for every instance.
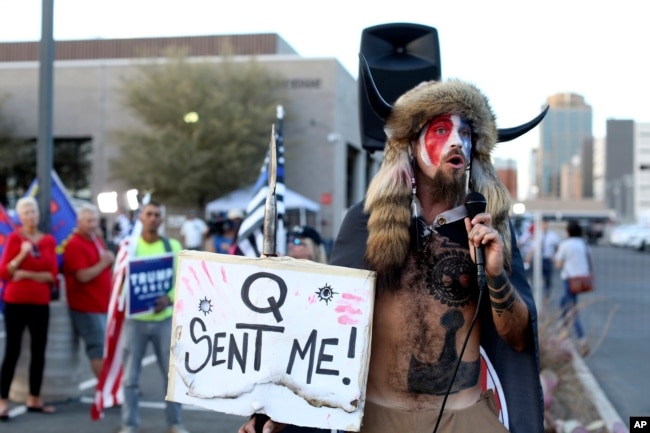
(288, 338)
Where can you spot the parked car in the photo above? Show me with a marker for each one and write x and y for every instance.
(639, 239)
(620, 235)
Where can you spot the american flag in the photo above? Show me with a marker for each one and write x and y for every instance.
(108, 392)
(250, 237)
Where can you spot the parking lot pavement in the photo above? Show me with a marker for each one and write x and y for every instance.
(73, 415)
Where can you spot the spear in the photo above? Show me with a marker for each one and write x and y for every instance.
(269, 248)
(271, 207)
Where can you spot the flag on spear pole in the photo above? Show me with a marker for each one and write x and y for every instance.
(250, 236)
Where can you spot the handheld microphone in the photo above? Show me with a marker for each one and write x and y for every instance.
(475, 204)
(260, 420)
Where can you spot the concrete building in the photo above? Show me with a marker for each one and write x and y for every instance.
(324, 158)
(571, 187)
(533, 180)
(566, 131)
(599, 169)
(619, 167)
(586, 165)
(641, 171)
(507, 172)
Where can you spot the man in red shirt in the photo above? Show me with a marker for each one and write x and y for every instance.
(87, 269)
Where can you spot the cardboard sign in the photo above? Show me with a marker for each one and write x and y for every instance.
(288, 338)
(148, 279)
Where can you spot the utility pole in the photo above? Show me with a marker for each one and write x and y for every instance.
(44, 152)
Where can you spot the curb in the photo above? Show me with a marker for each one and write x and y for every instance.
(609, 415)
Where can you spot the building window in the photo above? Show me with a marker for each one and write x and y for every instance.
(71, 161)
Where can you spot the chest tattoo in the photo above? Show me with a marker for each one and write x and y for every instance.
(434, 378)
(448, 271)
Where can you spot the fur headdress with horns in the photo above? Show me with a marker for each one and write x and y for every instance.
(388, 200)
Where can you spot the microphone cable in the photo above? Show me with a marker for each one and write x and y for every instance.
(462, 352)
(475, 203)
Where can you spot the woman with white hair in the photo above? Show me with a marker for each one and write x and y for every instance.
(29, 267)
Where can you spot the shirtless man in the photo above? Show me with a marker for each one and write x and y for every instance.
(413, 230)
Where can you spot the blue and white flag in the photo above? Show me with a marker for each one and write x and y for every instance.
(250, 236)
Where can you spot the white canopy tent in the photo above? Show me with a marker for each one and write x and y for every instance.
(240, 198)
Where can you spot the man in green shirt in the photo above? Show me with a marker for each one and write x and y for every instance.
(153, 327)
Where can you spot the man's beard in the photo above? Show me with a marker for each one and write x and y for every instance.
(447, 187)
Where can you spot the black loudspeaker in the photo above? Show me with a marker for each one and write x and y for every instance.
(400, 56)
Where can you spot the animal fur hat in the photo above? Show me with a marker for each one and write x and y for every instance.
(388, 200)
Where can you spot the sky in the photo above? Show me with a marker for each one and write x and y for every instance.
(518, 52)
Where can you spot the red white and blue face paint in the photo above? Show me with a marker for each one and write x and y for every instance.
(442, 135)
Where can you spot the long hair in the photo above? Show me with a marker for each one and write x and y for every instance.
(388, 201)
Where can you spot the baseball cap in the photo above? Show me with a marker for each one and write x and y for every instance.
(306, 232)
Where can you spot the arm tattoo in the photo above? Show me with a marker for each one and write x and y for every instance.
(502, 296)
(498, 281)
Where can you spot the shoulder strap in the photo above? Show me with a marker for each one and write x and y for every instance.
(168, 245)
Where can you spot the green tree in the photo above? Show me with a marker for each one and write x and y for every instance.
(205, 127)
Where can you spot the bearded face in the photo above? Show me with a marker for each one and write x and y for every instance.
(442, 152)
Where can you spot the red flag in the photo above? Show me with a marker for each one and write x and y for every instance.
(108, 392)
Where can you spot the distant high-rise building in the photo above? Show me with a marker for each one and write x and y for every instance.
(533, 178)
(571, 180)
(507, 172)
(565, 132)
(642, 172)
(599, 169)
(586, 168)
(619, 167)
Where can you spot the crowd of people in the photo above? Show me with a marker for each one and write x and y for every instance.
(442, 265)
(570, 256)
(30, 267)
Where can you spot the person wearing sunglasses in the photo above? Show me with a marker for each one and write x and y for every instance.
(305, 243)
